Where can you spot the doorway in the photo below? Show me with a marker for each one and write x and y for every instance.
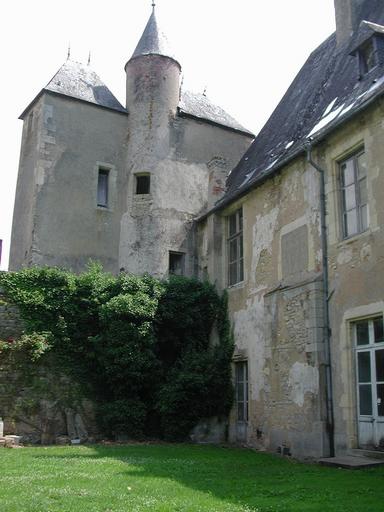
(369, 342)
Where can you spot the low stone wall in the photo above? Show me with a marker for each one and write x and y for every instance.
(57, 420)
(11, 325)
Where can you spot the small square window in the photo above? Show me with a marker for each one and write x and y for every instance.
(143, 183)
(176, 263)
(102, 188)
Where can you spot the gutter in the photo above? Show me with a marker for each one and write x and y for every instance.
(326, 297)
(67, 96)
(295, 153)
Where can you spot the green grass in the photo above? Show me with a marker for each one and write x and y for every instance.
(178, 478)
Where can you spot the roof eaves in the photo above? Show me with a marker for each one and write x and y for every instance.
(263, 176)
(55, 93)
(31, 104)
(184, 113)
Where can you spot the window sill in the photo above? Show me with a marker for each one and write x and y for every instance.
(353, 238)
(236, 286)
(104, 208)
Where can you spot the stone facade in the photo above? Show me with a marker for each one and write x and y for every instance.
(277, 309)
(305, 293)
(179, 142)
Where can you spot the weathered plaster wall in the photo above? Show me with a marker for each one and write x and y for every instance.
(58, 186)
(24, 210)
(187, 160)
(356, 263)
(276, 310)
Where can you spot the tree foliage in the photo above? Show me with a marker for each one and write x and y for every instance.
(154, 356)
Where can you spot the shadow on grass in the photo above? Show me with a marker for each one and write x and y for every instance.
(256, 481)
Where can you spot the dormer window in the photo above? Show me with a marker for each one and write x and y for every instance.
(367, 57)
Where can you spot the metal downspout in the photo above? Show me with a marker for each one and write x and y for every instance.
(326, 330)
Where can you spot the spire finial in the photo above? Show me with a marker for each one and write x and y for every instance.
(89, 58)
(69, 51)
(153, 5)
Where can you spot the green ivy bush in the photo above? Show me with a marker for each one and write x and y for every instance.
(154, 356)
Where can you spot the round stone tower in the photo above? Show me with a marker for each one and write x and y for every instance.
(150, 228)
(153, 88)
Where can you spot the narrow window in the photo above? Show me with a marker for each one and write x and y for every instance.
(176, 263)
(241, 389)
(143, 183)
(235, 248)
(353, 178)
(102, 188)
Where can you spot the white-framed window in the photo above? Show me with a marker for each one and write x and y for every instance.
(369, 343)
(235, 247)
(241, 390)
(354, 202)
(103, 187)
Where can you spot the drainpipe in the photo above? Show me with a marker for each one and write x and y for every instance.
(326, 329)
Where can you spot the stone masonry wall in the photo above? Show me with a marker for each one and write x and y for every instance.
(11, 325)
(59, 420)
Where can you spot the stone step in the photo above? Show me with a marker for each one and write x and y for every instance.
(371, 454)
(351, 462)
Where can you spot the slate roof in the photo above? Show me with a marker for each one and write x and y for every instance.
(326, 92)
(153, 41)
(200, 107)
(78, 81)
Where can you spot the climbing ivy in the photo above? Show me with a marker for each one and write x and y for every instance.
(154, 356)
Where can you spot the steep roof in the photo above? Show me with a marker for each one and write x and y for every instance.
(80, 82)
(200, 107)
(153, 41)
(326, 92)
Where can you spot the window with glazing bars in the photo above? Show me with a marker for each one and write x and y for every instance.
(241, 388)
(235, 248)
(353, 179)
(102, 188)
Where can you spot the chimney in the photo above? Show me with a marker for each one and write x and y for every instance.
(347, 18)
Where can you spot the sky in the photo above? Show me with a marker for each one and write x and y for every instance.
(245, 53)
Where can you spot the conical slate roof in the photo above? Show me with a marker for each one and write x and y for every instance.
(153, 41)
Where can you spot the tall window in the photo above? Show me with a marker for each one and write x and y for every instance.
(235, 248)
(369, 339)
(353, 177)
(102, 188)
(241, 388)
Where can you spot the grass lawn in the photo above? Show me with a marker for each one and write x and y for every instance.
(178, 478)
